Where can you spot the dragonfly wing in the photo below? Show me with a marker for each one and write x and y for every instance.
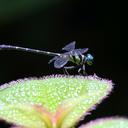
(70, 46)
(53, 59)
(61, 61)
(79, 51)
(83, 50)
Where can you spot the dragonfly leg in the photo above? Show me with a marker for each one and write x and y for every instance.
(83, 69)
(79, 71)
(66, 68)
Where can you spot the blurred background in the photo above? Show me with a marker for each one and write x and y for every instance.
(50, 25)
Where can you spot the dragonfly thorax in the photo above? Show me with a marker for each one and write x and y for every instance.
(77, 59)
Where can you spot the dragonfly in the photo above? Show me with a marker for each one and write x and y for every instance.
(71, 54)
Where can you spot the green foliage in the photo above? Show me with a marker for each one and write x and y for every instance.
(108, 123)
(51, 102)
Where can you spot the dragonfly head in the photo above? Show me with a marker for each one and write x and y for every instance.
(89, 59)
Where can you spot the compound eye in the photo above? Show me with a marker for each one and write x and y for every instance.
(89, 59)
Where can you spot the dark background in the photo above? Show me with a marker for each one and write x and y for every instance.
(51, 25)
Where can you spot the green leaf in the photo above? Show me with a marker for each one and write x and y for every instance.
(25, 116)
(107, 123)
(55, 101)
